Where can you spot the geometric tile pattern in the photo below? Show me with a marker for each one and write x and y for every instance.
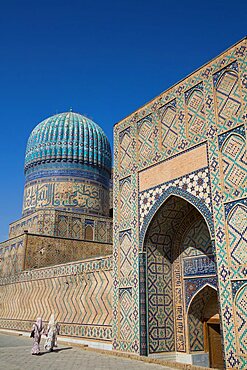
(237, 229)
(163, 267)
(169, 129)
(125, 317)
(195, 318)
(125, 146)
(96, 332)
(234, 165)
(39, 222)
(125, 263)
(195, 113)
(145, 138)
(62, 226)
(178, 249)
(193, 286)
(228, 96)
(41, 251)
(59, 223)
(196, 183)
(76, 228)
(62, 223)
(12, 254)
(125, 200)
(241, 318)
(101, 229)
(72, 225)
(160, 296)
(223, 110)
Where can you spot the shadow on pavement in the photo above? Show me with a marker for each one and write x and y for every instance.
(55, 350)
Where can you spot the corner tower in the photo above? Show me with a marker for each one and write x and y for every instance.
(67, 166)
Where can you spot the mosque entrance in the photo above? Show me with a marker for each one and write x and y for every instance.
(203, 318)
(182, 303)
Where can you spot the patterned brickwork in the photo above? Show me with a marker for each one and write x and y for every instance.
(125, 148)
(237, 229)
(179, 251)
(196, 184)
(76, 228)
(233, 162)
(196, 316)
(76, 224)
(62, 224)
(214, 99)
(40, 222)
(125, 254)
(169, 129)
(79, 294)
(195, 113)
(125, 317)
(44, 251)
(125, 199)
(228, 96)
(146, 134)
(12, 254)
(161, 324)
(159, 243)
(102, 231)
(241, 320)
(121, 233)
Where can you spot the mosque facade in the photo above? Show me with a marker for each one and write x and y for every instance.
(167, 276)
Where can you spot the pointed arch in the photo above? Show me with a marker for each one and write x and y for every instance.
(89, 232)
(172, 219)
(233, 163)
(237, 233)
(174, 191)
(198, 292)
(223, 75)
(196, 316)
(228, 97)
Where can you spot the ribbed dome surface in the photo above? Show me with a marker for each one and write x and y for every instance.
(68, 137)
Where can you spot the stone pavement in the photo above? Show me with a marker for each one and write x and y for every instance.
(15, 354)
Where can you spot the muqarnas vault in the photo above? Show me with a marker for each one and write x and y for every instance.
(174, 281)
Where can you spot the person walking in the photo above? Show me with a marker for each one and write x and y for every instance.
(52, 332)
(36, 333)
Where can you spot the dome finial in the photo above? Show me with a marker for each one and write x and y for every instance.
(71, 109)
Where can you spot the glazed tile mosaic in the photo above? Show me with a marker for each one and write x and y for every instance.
(66, 219)
(174, 283)
(184, 155)
(197, 184)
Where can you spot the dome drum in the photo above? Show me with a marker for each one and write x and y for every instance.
(67, 166)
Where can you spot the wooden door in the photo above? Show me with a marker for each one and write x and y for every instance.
(215, 346)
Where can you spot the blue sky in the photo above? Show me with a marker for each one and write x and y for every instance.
(102, 58)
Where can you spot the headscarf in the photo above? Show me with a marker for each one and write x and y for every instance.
(52, 323)
(39, 323)
(52, 319)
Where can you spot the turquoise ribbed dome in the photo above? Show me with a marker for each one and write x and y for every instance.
(68, 137)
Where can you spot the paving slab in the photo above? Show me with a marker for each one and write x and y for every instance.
(15, 354)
